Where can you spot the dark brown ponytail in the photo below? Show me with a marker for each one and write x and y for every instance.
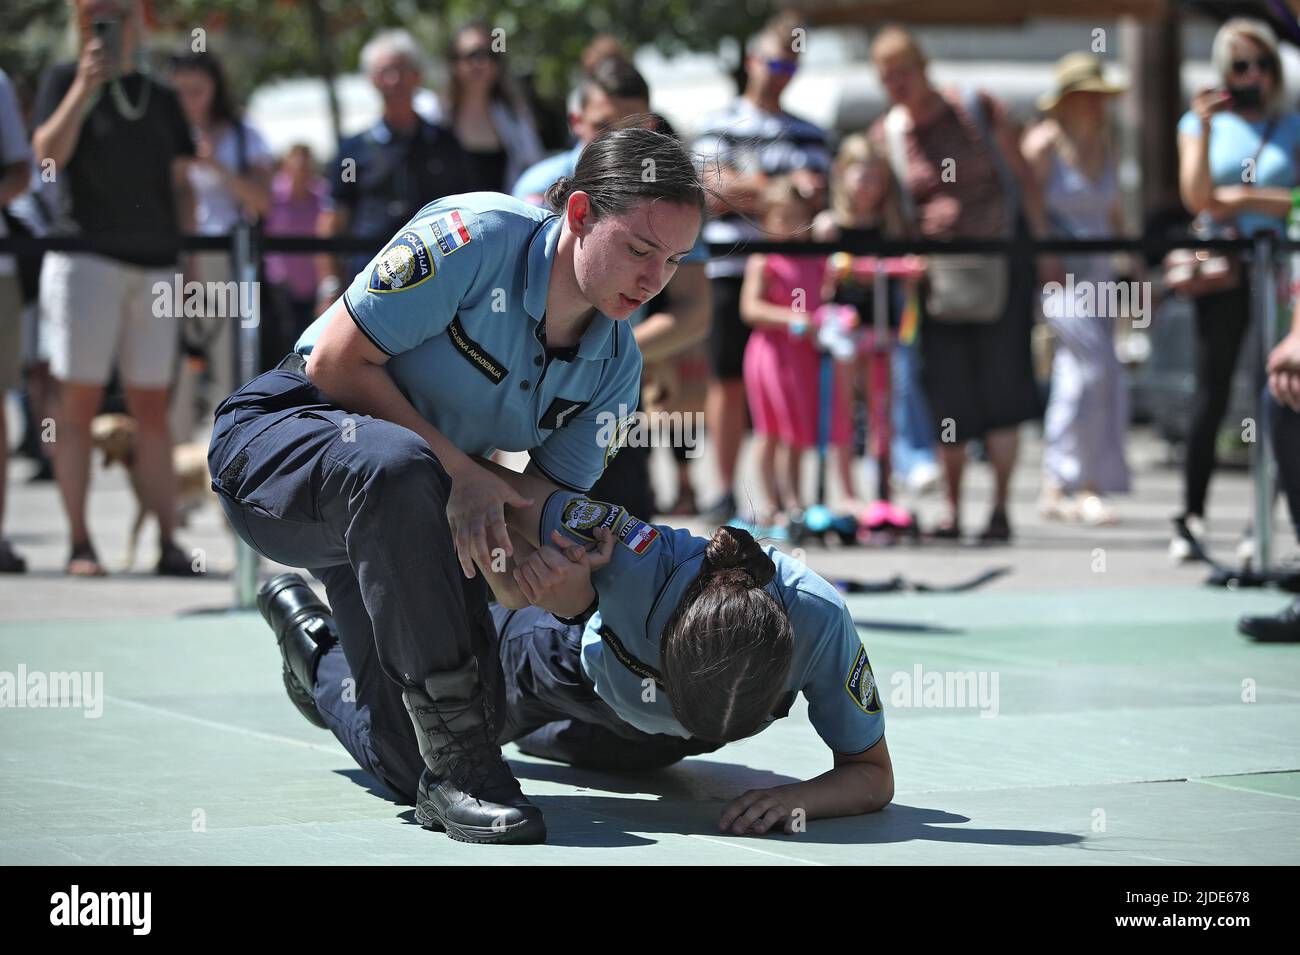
(727, 648)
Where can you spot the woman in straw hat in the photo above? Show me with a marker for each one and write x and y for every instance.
(1072, 157)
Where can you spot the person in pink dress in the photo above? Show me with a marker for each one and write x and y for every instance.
(778, 298)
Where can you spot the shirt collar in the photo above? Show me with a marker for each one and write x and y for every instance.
(601, 338)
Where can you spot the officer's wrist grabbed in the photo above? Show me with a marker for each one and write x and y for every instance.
(583, 617)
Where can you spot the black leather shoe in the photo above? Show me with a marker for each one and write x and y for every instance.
(466, 789)
(304, 631)
(1282, 627)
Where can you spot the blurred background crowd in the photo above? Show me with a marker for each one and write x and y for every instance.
(816, 123)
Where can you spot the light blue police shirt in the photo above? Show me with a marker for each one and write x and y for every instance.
(651, 567)
(537, 178)
(457, 298)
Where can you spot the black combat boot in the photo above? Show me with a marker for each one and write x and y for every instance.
(304, 631)
(466, 789)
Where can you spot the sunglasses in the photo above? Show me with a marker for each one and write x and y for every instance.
(480, 55)
(782, 67)
(1241, 67)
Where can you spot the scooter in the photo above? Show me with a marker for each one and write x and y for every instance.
(834, 343)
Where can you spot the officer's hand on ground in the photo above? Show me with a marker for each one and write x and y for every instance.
(1283, 368)
(558, 578)
(477, 515)
(757, 811)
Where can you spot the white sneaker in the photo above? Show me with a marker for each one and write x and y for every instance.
(924, 478)
(1188, 542)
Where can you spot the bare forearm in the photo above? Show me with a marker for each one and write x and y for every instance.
(328, 225)
(524, 522)
(57, 137)
(368, 389)
(1195, 183)
(849, 789)
(737, 193)
(253, 190)
(1268, 200)
(184, 196)
(760, 313)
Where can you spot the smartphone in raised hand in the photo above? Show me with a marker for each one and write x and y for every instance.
(109, 32)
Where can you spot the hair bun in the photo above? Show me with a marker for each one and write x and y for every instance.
(736, 559)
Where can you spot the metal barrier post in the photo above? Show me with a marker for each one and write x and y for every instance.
(246, 340)
(1263, 293)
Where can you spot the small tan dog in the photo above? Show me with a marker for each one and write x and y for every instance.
(114, 435)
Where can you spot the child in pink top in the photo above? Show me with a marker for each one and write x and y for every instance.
(778, 297)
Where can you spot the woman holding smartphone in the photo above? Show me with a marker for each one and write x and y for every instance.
(1237, 164)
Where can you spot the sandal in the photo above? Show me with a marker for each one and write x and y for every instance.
(10, 562)
(1094, 511)
(999, 529)
(83, 562)
(948, 530)
(174, 562)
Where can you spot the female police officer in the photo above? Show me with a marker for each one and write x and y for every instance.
(691, 643)
(485, 323)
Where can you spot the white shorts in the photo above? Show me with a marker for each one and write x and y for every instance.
(97, 312)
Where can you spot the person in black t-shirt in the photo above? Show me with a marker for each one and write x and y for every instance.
(386, 174)
(118, 142)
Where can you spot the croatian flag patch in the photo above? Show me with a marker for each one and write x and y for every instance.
(450, 232)
(637, 535)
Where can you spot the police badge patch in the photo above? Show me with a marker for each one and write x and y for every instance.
(861, 684)
(582, 516)
(403, 265)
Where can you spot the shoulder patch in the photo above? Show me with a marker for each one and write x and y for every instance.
(450, 232)
(637, 536)
(618, 438)
(582, 516)
(403, 265)
(861, 684)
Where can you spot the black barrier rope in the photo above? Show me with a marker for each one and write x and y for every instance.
(856, 245)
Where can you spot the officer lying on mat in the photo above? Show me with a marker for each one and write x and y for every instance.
(684, 644)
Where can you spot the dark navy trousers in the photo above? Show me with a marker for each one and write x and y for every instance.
(1283, 426)
(361, 503)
